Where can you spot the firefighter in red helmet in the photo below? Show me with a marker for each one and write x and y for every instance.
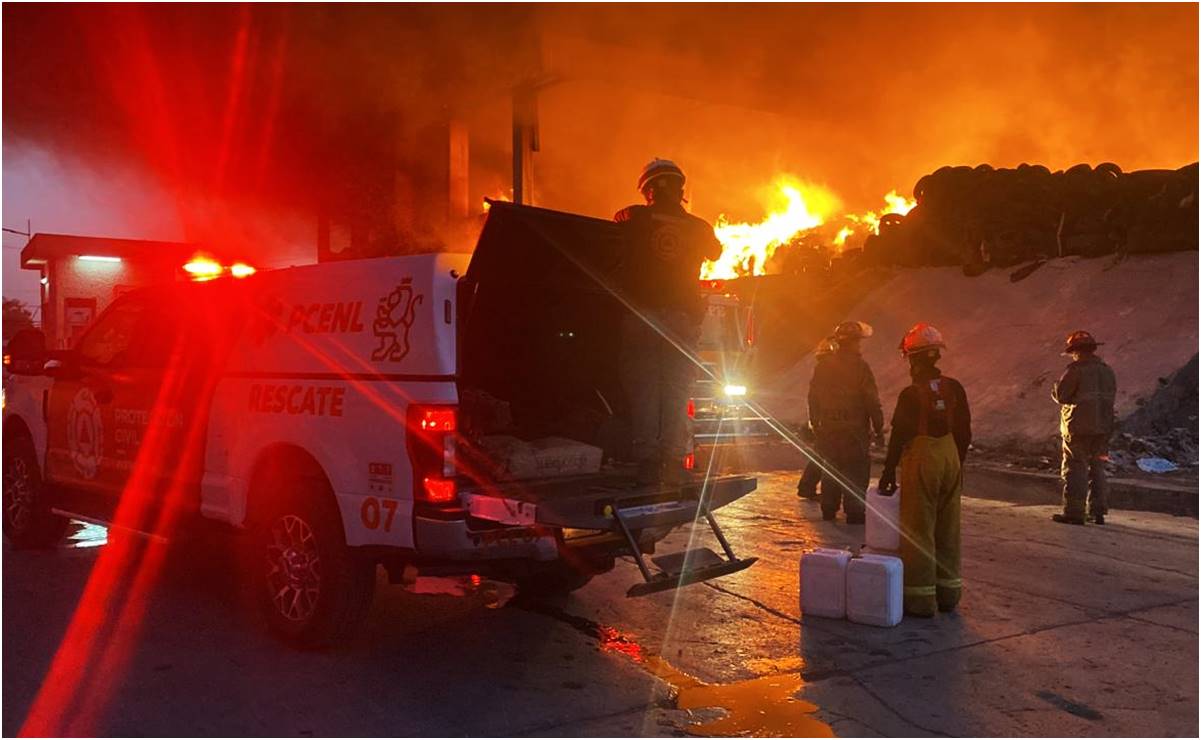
(931, 431)
(1085, 395)
(663, 248)
(844, 408)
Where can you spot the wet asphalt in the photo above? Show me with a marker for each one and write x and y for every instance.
(1062, 631)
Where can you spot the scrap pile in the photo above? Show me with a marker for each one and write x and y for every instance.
(983, 217)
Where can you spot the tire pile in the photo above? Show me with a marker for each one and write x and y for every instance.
(983, 217)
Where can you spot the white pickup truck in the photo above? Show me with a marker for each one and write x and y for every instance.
(318, 409)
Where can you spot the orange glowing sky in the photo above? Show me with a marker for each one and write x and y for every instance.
(241, 119)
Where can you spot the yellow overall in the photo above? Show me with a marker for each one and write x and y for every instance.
(931, 485)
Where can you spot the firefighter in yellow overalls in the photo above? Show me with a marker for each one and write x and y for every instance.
(931, 431)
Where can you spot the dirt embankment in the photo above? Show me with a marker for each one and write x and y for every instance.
(1004, 340)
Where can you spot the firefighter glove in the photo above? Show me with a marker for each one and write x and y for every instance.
(888, 481)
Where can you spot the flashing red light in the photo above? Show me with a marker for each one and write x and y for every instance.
(439, 490)
(438, 420)
(203, 268)
(690, 461)
(691, 409)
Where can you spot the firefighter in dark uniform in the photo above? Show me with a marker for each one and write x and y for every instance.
(663, 249)
(806, 488)
(1085, 395)
(844, 408)
(931, 431)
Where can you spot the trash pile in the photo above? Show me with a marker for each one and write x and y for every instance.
(1163, 428)
(983, 217)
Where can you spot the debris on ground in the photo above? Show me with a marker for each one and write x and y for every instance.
(1155, 465)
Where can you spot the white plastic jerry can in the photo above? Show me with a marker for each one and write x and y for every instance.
(824, 583)
(883, 520)
(875, 590)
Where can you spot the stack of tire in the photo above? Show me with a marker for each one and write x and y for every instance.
(982, 217)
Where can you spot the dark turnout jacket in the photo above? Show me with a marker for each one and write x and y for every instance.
(663, 248)
(843, 395)
(933, 406)
(1086, 395)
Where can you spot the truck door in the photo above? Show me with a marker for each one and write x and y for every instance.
(101, 409)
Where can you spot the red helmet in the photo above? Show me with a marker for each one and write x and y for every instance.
(657, 168)
(1080, 340)
(920, 338)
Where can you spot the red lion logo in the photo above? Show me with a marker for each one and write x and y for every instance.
(393, 319)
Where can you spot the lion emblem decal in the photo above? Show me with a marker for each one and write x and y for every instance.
(393, 319)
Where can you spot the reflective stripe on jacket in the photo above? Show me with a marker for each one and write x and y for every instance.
(1086, 395)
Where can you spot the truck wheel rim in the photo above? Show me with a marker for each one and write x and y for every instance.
(293, 568)
(18, 488)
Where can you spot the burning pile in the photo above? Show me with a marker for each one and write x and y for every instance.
(802, 217)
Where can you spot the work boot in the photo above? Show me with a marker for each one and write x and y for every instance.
(1065, 519)
(807, 493)
(921, 606)
(1098, 518)
(828, 516)
(856, 518)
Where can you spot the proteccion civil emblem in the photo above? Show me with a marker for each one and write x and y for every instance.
(85, 433)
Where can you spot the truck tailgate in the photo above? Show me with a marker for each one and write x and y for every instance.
(588, 502)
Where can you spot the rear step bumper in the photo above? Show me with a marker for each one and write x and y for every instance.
(584, 505)
(626, 512)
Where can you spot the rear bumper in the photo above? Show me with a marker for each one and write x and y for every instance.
(526, 521)
(441, 539)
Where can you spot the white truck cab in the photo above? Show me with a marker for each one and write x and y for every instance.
(332, 412)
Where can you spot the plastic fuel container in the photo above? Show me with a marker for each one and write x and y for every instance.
(824, 583)
(883, 520)
(875, 590)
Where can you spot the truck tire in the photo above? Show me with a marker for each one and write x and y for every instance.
(28, 521)
(314, 590)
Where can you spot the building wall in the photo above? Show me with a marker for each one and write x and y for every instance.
(73, 280)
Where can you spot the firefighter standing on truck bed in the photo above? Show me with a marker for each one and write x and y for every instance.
(663, 249)
(1085, 395)
(806, 488)
(844, 408)
(931, 431)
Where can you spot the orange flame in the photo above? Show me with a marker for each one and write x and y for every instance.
(746, 248)
(800, 208)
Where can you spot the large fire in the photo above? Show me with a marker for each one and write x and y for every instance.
(796, 210)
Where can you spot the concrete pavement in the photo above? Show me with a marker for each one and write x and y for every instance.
(1062, 631)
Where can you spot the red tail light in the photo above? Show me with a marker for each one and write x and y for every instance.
(691, 409)
(690, 461)
(431, 445)
(438, 490)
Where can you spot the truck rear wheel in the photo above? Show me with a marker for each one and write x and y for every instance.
(28, 521)
(314, 590)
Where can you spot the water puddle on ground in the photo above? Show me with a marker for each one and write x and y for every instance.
(765, 706)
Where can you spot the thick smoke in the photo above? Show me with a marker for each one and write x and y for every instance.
(240, 111)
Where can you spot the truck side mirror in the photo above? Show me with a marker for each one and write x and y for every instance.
(62, 364)
(25, 352)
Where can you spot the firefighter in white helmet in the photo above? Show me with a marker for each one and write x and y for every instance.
(844, 407)
(663, 248)
(806, 488)
(1085, 395)
(931, 431)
